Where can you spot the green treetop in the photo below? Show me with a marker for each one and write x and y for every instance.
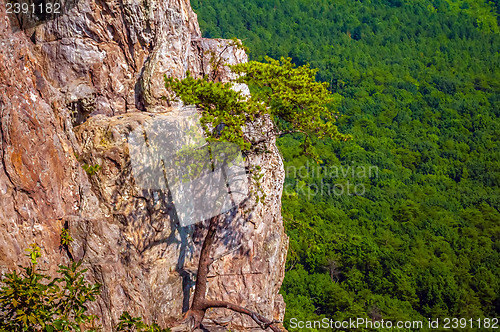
(289, 94)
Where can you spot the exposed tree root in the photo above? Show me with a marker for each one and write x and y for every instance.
(200, 304)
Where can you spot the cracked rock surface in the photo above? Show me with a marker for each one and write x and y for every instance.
(71, 90)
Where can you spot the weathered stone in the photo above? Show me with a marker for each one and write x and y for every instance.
(71, 89)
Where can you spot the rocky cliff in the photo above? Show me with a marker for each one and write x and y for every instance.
(72, 88)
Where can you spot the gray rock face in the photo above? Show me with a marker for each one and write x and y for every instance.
(71, 90)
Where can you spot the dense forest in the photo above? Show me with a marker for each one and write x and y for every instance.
(401, 222)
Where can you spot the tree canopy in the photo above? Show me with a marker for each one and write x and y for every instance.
(290, 95)
(420, 88)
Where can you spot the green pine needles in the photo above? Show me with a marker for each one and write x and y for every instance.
(292, 96)
(296, 102)
(220, 106)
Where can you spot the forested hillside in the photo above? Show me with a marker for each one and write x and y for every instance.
(415, 232)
